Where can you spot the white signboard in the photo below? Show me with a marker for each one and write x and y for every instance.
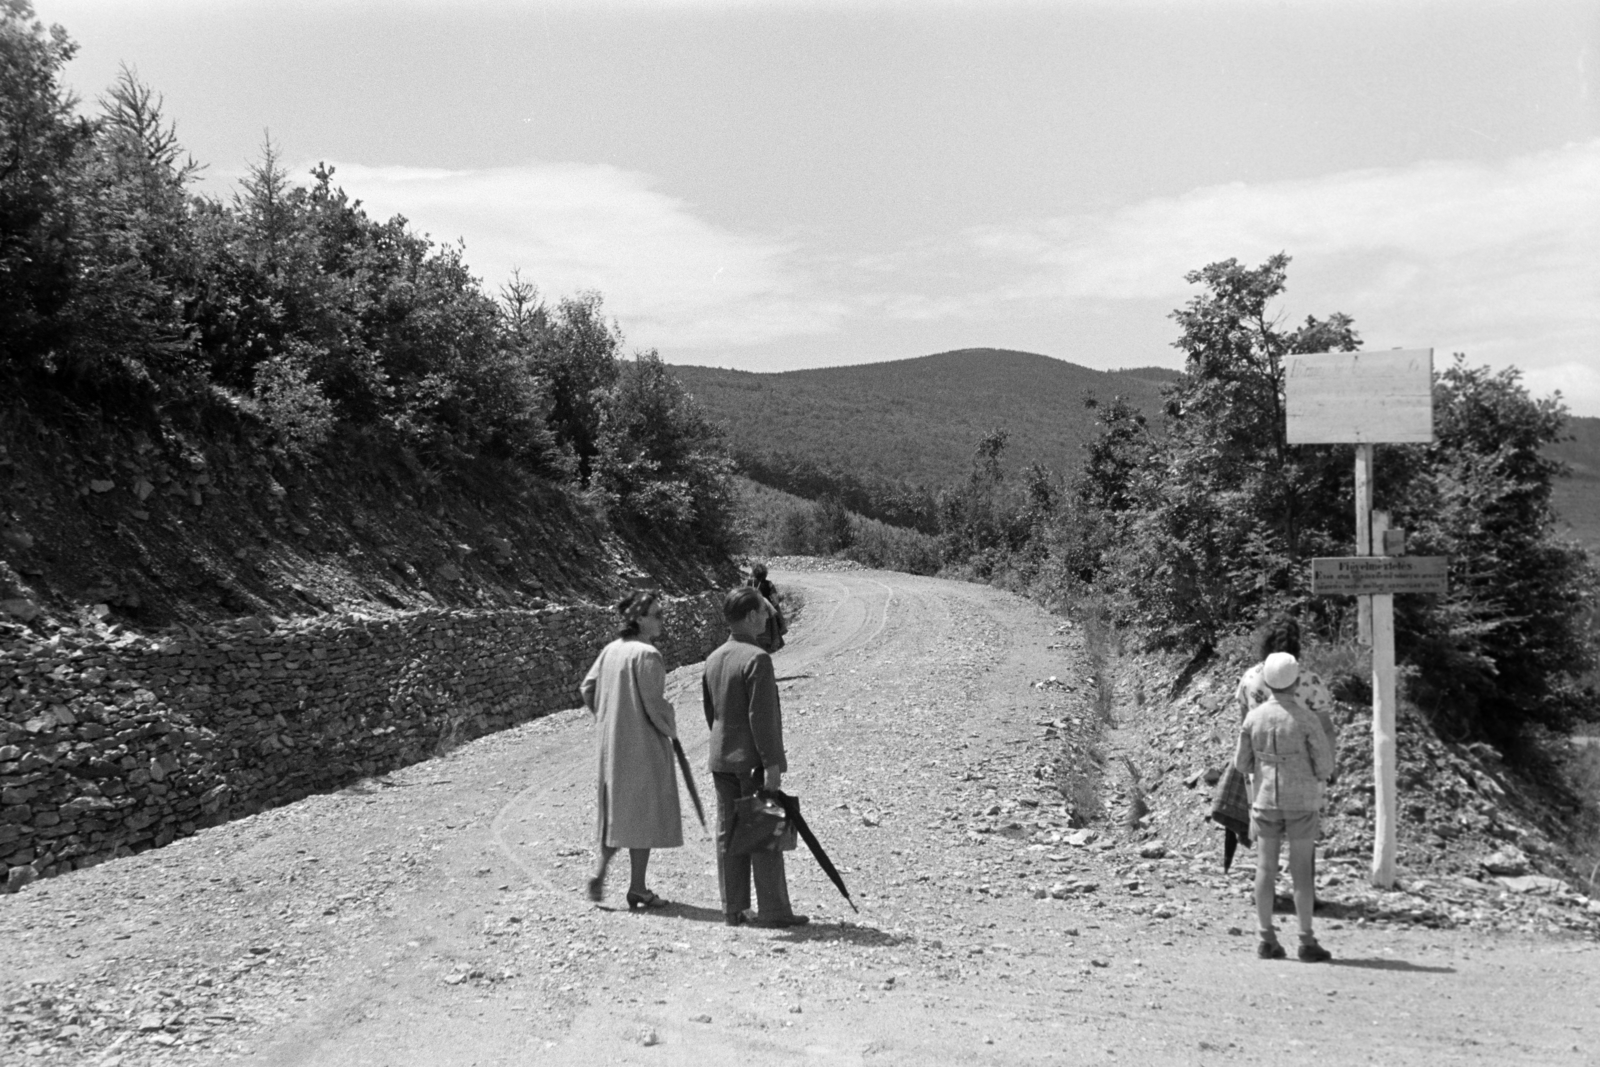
(1369, 575)
(1360, 397)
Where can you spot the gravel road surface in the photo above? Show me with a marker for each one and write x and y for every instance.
(435, 917)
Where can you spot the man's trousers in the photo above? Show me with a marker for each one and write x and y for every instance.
(734, 872)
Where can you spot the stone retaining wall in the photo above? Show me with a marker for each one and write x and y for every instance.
(111, 744)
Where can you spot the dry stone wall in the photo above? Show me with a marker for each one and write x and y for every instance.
(111, 744)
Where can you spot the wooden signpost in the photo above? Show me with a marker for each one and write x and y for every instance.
(1364, 398)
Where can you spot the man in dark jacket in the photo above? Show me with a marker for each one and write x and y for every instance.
(740, 694)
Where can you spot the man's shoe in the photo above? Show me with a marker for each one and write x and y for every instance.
(1311, 952)
(1272, 950)
(737, 918)
(784, 921)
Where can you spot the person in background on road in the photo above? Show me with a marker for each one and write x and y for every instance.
(740, 693)
(1283, 748)
(625, 690)
(771, 638)
(1282, 634)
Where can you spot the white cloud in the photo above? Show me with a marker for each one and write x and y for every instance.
(1497, 261)
(1500, 261)
(672, 278)
(1579, 384)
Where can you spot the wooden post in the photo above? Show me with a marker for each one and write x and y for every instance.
(1362, 398)
(1364, 536)
(1385, 790)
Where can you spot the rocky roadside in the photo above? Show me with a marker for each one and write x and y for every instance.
(1474, 850)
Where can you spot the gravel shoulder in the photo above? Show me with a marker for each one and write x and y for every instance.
(435, 916)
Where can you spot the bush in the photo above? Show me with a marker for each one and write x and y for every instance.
(893, 548)
(659, 461)
(292, 405)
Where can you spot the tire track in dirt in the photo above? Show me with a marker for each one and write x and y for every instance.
(910, 710)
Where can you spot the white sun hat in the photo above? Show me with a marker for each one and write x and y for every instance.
(1280, 670)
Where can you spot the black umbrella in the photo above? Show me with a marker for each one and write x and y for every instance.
(688, 779)
(791, 809)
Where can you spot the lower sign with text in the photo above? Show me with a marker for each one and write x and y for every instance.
(1373, 575)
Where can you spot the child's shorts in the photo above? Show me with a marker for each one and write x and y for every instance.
(1294, 825)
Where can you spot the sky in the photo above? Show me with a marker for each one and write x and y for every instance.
(775, 184)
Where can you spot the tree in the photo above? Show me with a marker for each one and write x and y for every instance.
(972, 522)
(830, 522)
(577, 353)
(137, 266)
(1509, 643)
(1195, 533)
(1113, 460)
(525, 316)
(1226, 512)
(658, 460)
(40, 138)
(1227, 422)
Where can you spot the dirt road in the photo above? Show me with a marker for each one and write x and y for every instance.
(436, 917)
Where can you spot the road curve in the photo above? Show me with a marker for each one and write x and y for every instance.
(436, 916)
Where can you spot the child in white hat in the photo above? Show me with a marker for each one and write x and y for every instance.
(1285, 751)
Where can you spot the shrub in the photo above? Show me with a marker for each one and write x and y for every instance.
(659, 460)
(292, 405)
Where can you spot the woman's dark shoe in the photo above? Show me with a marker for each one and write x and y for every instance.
(647, 899)
(1311, 952)
(1272, 950)
(597, 888)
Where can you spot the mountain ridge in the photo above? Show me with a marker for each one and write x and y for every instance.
(916, 421)
(872, 417)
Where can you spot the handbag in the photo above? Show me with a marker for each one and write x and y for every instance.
(760, 825)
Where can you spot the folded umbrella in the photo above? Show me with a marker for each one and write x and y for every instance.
(791, 809)
(688, 780)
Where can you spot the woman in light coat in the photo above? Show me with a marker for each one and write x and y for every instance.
(625, 690)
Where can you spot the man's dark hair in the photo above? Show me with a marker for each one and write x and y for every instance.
(740, 602)
(1280, 634)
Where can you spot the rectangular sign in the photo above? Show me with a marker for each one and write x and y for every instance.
(1367, 575)
(1359, 397)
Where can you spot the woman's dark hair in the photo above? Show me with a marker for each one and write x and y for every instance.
(1280, 634)
(758, 572)
(633, 607)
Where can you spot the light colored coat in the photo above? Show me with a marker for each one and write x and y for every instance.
(1285, 750)
(1310, 690)
(638, 785)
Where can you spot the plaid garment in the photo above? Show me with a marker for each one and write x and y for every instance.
(1230, 809)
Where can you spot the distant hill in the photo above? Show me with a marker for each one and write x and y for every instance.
(1578, 497)
(917, 420)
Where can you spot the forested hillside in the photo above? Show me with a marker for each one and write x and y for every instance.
(884, 437)
(1578, 496)
(885, 434)
(274, 402)
(916, 419)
